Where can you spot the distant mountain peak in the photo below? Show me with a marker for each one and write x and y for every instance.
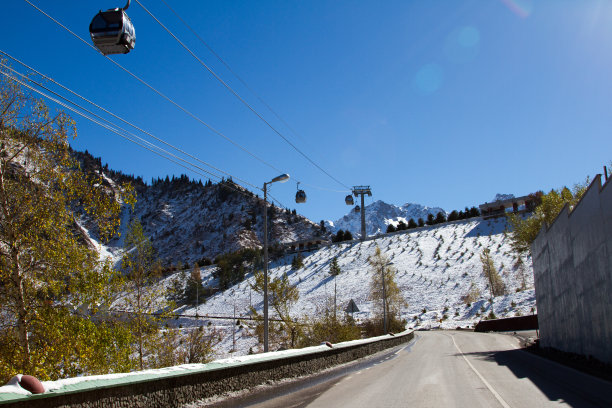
(379, 215)
(502, 197)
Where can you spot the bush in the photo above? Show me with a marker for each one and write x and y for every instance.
(297, 262)
(330, 329)
(375, 327)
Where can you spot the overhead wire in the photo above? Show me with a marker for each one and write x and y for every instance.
(115, 129)
(242, 100)
(249, 88)
(234, 73)
(167, 98)
(115, 116)
(109, 124)
(214, 130)
(111, 128)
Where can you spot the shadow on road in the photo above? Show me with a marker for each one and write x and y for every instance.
(557, 382)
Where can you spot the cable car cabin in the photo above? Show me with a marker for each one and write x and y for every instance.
(300, 197)
(357, 208)
(349, 200)
(112, 32)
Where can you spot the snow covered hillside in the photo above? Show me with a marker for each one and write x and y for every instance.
(436, 266)
(188, 221)
(379, 215)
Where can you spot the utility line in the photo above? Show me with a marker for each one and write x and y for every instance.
(214, 130)
(108, 127)
(244, 102)
(160, 94)
(234, 73)
(113, 128)
(115, 116)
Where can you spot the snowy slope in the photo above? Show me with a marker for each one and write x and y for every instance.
(435, 267)
(379, 215)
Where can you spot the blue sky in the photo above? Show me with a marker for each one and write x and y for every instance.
(442, 103)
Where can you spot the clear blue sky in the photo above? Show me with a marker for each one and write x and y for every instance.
(442, 103)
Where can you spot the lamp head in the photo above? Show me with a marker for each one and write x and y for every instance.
(282, 178)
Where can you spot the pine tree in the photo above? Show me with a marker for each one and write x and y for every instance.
(412, 224)
(421, 223)
(348, 236)
(298, 261)
(430, 219)
(390, 228)
(194, 290)
(334, 270)
(440, 218)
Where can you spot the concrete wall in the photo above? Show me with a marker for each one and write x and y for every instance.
(175, 390)
(572, 263)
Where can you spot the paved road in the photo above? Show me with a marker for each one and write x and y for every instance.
(450, 369)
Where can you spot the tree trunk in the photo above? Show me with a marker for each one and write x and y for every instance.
(335, 306)
(22, 312)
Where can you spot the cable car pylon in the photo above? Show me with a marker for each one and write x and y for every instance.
(362, 191)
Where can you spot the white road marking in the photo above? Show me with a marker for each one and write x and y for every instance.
(485, 382)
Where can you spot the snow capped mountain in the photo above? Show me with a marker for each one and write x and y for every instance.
(379, 215)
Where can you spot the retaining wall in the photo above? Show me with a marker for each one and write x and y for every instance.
(572, 264)
(508, 324)
(173, 390)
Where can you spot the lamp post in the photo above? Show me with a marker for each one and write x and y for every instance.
(282, 178)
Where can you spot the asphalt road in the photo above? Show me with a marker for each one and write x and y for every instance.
(446, 369)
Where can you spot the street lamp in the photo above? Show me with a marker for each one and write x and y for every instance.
(282, 178)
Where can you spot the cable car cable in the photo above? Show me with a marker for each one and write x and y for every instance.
(244, 102)
(115, 116)
(161, 93)
(151, 146)
(112, 129)
(211, 128)
(115, 127)
(234, 73)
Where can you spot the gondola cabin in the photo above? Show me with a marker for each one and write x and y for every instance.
(300, 197)
(112, 31)
(357, 208)
(349, 200)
